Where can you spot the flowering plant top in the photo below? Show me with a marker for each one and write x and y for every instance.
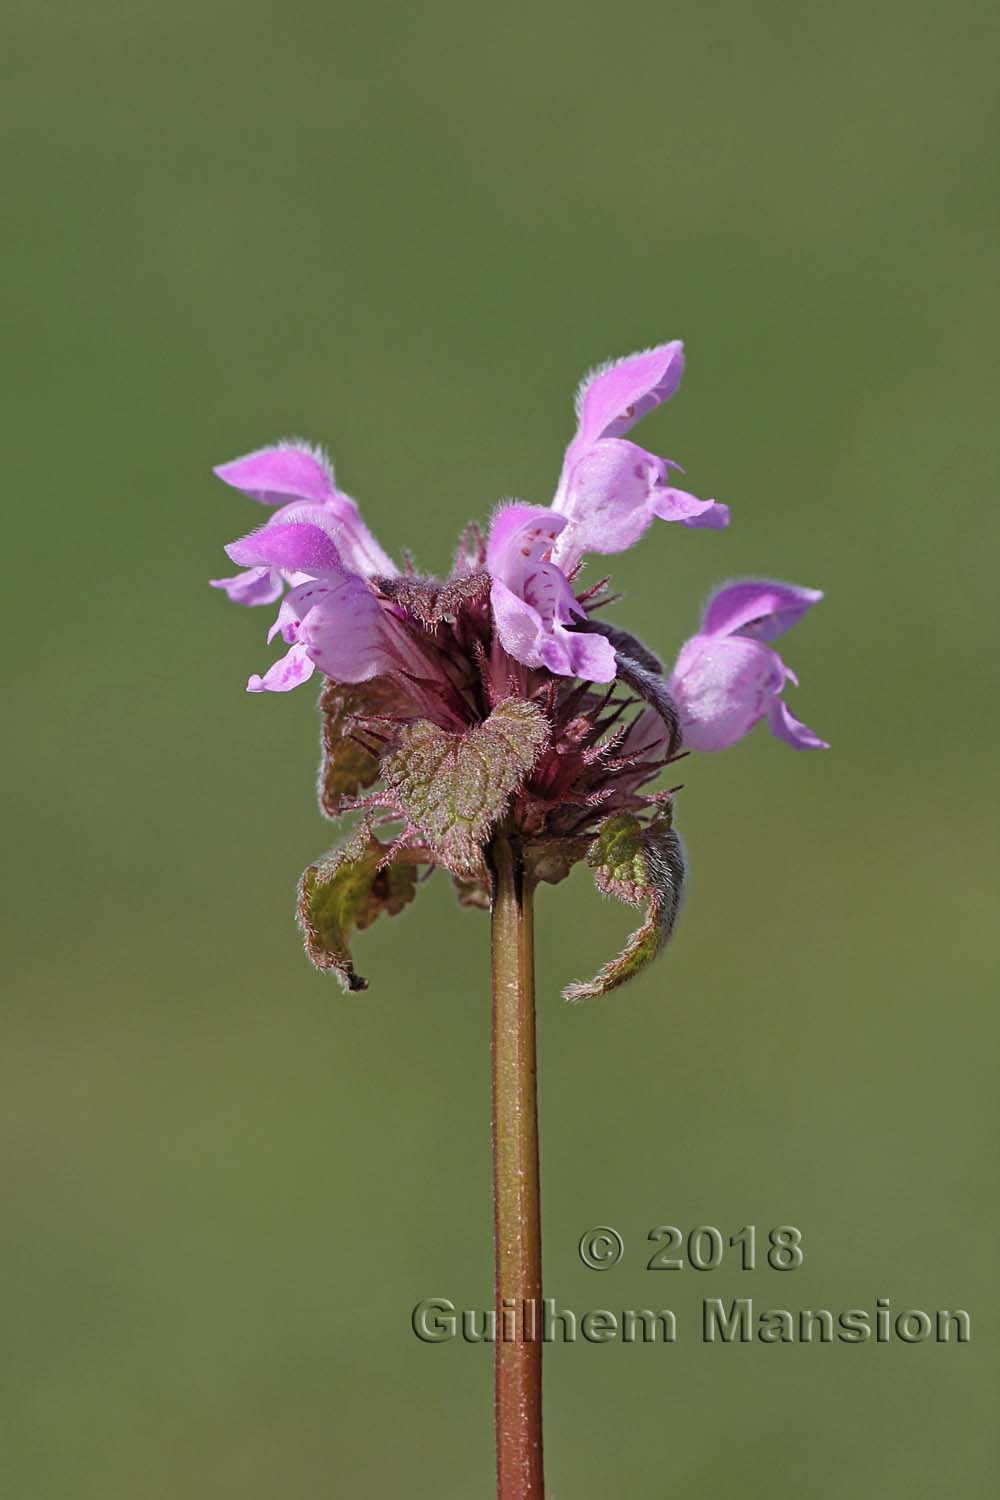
(499, 699)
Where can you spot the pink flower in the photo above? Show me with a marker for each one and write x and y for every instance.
(332, 619)
(610, 490)
(534, 606)
(726, 678)
(289, 475)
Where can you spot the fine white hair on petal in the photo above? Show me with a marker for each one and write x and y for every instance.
(310, 513)
(602, 369)
(752, 578)
(314, 450)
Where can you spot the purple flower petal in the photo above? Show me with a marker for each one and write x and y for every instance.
(359, 549)
(300, 547)
(715, 518)
(722, 685)
(614, 397)
(608, 492)
(785, 726)
(520, 535)
(591, 657)
(758, 608)
(256, 586)
(290, 671)
(285, 624)
(518, 625)
(343, 632)
(670, 504)
(533, 630)
(287, 471)
(546, 587)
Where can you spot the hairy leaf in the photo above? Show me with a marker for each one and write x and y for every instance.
(348, 890)
(641, 866)
(348, 767)
(455, 787)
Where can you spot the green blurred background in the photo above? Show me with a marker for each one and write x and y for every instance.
(406, 231)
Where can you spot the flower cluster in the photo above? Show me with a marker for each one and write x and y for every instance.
(499, 700)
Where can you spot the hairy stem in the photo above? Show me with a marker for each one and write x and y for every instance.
(517, 1217)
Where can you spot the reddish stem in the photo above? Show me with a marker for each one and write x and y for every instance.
(517, 1216)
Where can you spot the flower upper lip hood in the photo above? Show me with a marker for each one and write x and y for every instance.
(288, 475)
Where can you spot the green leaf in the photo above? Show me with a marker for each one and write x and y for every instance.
(454, 787)
(348, 890)
(641, 866)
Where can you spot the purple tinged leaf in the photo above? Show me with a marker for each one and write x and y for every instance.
(432, 602)
(454, 788)
(347, 766)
